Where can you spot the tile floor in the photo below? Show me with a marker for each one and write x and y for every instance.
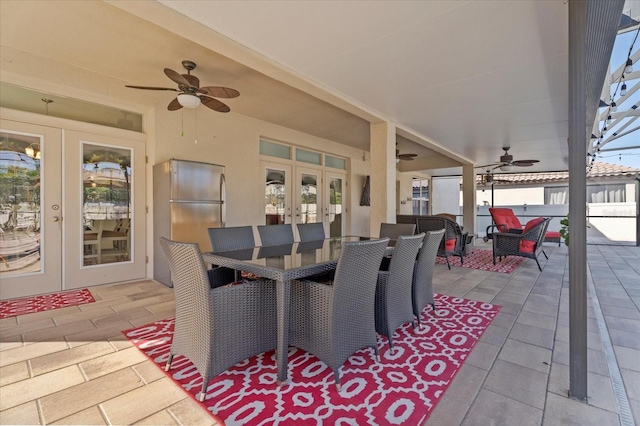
(73, 366)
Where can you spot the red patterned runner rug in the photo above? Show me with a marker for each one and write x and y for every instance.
(44, 302)
(483, 259)
(403, 389)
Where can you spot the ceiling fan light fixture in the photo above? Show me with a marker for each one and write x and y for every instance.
(188, 101)
(506, 167)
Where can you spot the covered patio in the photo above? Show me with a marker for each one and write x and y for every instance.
(73, 365)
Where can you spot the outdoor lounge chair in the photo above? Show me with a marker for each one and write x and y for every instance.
(335, 319)
(505, 220)
(217, 328)
(422, 286)
(525, 244)
(454, 240)
(394, 304)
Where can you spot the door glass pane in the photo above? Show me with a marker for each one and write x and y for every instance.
(20, 162)
(275, 187)
(309, 198)
(335, 207)
(106, 208)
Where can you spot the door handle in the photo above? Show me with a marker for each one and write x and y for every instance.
(56, 219)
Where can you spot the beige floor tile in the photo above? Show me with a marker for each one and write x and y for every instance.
(135, 304)
(8, 334)
(14, 373)
(31, 351)
(149, 371)
(17, 343)
(122, 316)
(99, 304)
(495, 335)
(37, 316)
(25, 414)
(631, 383)
(57, 360)
(516, 382)
(159, 418)
(537, 320)
(85, 395)
(162, 307)
(82, 315)
(143, 402)
(28, 390)
(479, 296)
(101, 333)
(188, 412)
(532, 335)
(628, 358)
(107, 364)
(467, 384)
(491, 408)
(504, 320)
(448, 412)
(483, 355)
(58, 333)
(526, 355)
(565, 411)
(90, 416)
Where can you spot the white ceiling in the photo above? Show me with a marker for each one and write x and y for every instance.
(467, 77)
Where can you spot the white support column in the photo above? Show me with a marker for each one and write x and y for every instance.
(383, 175)
(469, 199)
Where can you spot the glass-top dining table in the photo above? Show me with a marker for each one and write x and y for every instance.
(284, 263)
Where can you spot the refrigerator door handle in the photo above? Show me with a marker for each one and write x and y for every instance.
(223, 197)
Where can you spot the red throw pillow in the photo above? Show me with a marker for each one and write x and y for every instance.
(450, 245)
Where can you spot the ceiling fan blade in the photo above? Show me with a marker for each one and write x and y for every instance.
(219, 92)
(151, 88)
(487, 166)
(407, 155)
(178, 78)
(192, 79)
(525, 163)
(214, 104)
(405, 158)
(174, 105)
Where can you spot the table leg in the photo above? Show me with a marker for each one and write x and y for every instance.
(283, 294)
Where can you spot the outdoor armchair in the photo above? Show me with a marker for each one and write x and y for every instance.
(333, 320)
(505, 220)
(454, 241)
(422, 287)
(526, 244)
(394, 290)
(217, 328)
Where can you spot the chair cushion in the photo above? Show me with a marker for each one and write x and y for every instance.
(528, 246)
(552, 234)
(505, 219)
(450, 245)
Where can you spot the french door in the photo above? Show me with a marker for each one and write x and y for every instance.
(310, 196)
(71, 209)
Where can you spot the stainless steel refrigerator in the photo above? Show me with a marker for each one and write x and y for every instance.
(188, 198)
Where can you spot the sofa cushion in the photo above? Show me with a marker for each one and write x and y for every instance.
(528, 246)
(505, 219)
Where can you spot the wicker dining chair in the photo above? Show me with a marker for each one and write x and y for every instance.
(394, 230)
(335, 319)
(229, 239)
(422, 286)
(275, 235)
(311, 231)
(394, 288)
(217, 328)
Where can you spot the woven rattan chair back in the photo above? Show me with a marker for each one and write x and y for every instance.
(232, 238)
(311, 231)
(394, 289)
(335, 319)
(394, 230)
(275, 235)
(422, 289)
(452, 232)
(509, 244)
(217, 328)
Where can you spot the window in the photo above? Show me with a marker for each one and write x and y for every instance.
(420, 196)
(604, 193)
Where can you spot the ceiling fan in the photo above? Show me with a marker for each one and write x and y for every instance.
(404, 157)
(507, 162)
(190, 93)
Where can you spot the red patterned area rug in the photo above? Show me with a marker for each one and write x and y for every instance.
(402, 389)
(45, 302)
(483, 259)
